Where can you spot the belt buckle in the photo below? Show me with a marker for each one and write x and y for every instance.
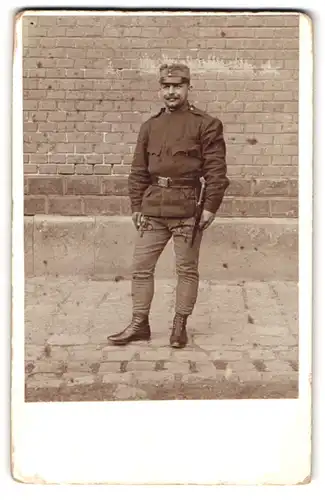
(164, 181)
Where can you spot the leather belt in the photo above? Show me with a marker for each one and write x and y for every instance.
(173, 182)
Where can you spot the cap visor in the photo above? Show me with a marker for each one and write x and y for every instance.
(176, 80)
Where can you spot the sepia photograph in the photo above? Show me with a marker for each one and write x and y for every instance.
(161, 172)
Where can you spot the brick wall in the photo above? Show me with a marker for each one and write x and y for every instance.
(90, 81)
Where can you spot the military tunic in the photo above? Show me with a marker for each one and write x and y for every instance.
(183, 145)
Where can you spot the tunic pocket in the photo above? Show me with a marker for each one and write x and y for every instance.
(187, 148)
(154, 149)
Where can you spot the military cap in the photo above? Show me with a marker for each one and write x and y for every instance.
(179, 73)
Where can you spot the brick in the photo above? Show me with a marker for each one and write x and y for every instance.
(45, 185)
(30, 169)
(64, 63)
(66, 106)
(125, 206)
(250, 208)
(83, 185)
(57, 158)
(84, 127)
(63, 148)
(270, 187)
(74, 159)
(94, 116)
(57, 116)
(240, 187)
(284, 208)
(94, 158)
(34, 205)
(94, 137)
(104, 205)
(64, 205)
(84, 169)
(48, 169)
(117, 186)
(102, 169)
(76, 116)
(83, 148)
(76, 137)
(30, 105)
(30, 147)
(286, 139)
(66, 169)
(281, 160)
(65, 126)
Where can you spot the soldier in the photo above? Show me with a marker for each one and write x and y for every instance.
(175, 148)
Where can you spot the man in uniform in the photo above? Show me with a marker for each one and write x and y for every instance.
(175, 149)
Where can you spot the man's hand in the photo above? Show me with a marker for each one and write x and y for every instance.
(206, 219)
(136, 218)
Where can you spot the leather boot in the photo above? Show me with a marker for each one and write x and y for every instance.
(178, 338)
(138, 329)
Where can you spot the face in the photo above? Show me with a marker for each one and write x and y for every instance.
(174, 94)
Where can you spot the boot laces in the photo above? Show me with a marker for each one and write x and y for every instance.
(179, 319)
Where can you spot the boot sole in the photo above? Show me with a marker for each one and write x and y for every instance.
(178, 346)
(125, 342)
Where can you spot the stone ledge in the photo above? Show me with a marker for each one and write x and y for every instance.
(101, 246)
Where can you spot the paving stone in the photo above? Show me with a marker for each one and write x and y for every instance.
(271, 341)
(156, 378)
(194, 378)
(265, 330)
(158, 354)
(117, 378)
(79, 366)
(48, 380)
(159, 341)
(140, 365)
(88, 352)
(48, 366)
(126, 392)
(226, 355)
(289, 355)
(81, 380)
(193, 355)
(250, 376)
(109, 367)
(173, 367)
(206, 368)
(67, 339)
(240, 366)
(280, 377)
(278, 366)
(119, 355)
(33, 352)
(261, 354)
(55, 353)
(212, 342)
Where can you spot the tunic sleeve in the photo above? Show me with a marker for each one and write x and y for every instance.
(214, 163)
(139, 178)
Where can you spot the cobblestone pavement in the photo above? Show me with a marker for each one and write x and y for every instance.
(242, 335)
